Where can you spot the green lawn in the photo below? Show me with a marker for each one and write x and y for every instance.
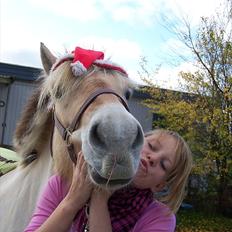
(10, 162)
(191, 221)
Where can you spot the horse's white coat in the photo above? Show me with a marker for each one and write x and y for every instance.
(19, 196)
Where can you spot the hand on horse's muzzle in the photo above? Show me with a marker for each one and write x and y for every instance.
(81, 186)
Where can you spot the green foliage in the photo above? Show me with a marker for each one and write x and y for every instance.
(203, 115)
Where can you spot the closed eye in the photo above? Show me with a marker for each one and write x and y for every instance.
(163, 165)
(150, 146)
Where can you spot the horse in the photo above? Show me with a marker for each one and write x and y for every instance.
(68, 112)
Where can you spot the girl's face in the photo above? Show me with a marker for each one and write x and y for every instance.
(156, 161)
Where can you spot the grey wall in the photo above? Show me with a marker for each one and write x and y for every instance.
(4, 89)
(18, 93)
(142, 113)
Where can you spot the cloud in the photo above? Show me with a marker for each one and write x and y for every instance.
(83, 11)
(129, 11)
(20, 44)
(132, 11)
(119, 49)
(192, 10)
(167, 77)
(26, 57)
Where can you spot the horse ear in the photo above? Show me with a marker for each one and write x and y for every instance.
(47, 58)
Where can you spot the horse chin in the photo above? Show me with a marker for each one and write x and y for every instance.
(103, 182)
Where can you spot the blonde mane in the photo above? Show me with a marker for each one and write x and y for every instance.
(30, 133)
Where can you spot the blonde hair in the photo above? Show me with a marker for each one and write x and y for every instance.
(178, 176)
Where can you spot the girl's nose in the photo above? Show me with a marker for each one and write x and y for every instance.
(151, 160)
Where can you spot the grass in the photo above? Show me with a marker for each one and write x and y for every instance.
(10, 162)
(192, 221)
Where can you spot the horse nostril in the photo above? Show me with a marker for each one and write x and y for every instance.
(95, 136)
(138, 139)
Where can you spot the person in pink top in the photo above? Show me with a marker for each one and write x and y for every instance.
(148, 204)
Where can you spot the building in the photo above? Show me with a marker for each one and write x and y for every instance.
(16, 85)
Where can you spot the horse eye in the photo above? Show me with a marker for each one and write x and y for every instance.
(58, 93)
(128, 94)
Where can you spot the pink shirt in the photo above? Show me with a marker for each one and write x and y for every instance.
(155, 218)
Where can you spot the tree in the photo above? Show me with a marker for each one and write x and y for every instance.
(204, 115)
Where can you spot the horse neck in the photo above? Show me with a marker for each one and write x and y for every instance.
(31, 145)
(24, 183)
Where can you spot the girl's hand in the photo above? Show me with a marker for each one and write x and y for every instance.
(101, 195)
(81, 186)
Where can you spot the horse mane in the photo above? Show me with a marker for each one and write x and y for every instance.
(30, 132)
(32, 128)
(61, 81)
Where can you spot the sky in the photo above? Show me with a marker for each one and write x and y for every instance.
(125, 30)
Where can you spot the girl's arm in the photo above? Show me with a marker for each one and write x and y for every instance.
(79, 193)
(61, 218)
(99, 217)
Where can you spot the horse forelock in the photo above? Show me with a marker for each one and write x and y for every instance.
(61, 81)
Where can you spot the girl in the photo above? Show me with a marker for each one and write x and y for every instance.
(148, 204)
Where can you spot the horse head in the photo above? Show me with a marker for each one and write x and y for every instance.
(90, 114)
